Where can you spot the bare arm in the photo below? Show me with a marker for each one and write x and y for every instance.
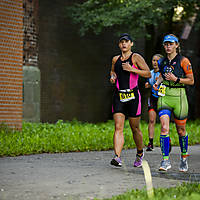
(187, 68)
(143, 69)
(113, 75)
(158, 82)
(147, 85)
(188, 80)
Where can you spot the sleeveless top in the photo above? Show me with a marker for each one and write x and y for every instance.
(152, 81)
(175, 67)
(125, 80)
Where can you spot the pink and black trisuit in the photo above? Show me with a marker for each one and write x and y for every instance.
(126, 83)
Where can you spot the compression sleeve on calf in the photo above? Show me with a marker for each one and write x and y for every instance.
(183, 141)
(164, 145)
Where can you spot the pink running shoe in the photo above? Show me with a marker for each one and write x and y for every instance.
(138, 160)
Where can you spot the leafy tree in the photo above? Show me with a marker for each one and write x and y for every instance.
(140, 18)
(137, 16)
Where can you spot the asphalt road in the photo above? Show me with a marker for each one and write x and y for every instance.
(86, 175)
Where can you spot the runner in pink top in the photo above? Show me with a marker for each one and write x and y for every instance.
(126, 69)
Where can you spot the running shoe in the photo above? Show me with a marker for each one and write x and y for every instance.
(116, 161)
(149, 147)
(138, 161)
(183, 165)
(165, 165)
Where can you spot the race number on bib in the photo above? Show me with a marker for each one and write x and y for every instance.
(126, 96)
(161, 91)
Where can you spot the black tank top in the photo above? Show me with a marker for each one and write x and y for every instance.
(123, 77)
(174, 66)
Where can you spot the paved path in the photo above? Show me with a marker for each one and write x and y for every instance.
(85, 175)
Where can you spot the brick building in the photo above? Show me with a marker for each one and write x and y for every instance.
(31, 79)
(11, 55)
(30, 23)
(18, 62)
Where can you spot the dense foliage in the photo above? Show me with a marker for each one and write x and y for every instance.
(77, 136)
(133, 16)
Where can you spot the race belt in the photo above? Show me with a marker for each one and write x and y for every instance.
(126, 95)
(162, 90)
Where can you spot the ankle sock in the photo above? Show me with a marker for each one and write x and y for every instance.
(140, 153)
(151, 141)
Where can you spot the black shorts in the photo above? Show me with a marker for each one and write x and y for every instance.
(152, 103)
(130, 108)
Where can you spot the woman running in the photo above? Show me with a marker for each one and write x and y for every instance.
(176, 72)
(126, 68)
(153, 99)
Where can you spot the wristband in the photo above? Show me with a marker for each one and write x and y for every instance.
(177, 80)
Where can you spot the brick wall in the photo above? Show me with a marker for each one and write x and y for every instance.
(30, 55)
(11, 58)
(31, 72)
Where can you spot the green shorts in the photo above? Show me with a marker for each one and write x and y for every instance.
(175, 100)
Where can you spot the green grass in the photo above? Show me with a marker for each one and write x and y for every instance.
(53, 138)
(185, 191)
(77, 136)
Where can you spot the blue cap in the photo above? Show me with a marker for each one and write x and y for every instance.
(125, 36)
(170, 38)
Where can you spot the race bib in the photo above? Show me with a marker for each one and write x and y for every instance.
(126, 96)
(161, 91)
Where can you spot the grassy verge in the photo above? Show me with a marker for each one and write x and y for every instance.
(184, 191)
(77, 136)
